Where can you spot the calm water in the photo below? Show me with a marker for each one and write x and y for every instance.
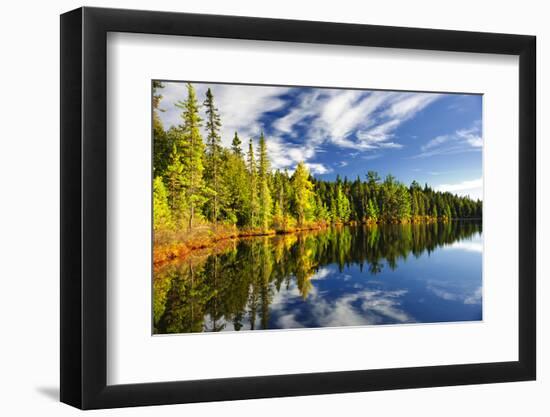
(344, 276)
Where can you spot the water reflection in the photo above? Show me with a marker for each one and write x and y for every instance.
(343, 276)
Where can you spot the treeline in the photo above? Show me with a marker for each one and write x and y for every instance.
(198, 181)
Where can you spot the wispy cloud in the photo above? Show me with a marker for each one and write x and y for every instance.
(466, 296)
(353, 119)
(299, 123)
(461, 140)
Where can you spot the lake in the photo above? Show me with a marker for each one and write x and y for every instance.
(339, 276)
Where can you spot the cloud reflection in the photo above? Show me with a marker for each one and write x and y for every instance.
(466, 296)
(360, 308)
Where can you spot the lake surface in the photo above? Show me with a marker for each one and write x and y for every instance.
(341, 276)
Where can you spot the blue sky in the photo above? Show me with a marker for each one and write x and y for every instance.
(428, 137)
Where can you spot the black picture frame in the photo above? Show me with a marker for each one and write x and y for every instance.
(84, 207)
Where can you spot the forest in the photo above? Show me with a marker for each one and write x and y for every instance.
(204, 192)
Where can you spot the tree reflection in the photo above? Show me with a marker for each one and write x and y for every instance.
(233, 288)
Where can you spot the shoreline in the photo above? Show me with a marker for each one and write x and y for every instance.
(211, 235)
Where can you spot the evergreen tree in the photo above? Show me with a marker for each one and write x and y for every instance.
(162, 218)
(175, 180)
(192, 151)
(372, 211)
(263, 179)
(303, 192)
(213, 156)
(237, 185)
(253, 205)
(161, 143)
(236, 145)
(342, 205)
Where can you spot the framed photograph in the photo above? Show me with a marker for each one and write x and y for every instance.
(257, 208)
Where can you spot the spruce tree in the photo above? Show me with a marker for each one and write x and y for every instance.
(263, 179)
(253, 206)
(236, 145)
(192, 151)
(213, 155)
(161, 143)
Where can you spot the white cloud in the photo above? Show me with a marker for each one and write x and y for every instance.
(361, 308)
(437, 141)
(354, 119)
(471, 188)
(462, 140)
(465, 296)
(240, 106)
(361, 120)
(316, 168)
(472, 136)
(284, 155)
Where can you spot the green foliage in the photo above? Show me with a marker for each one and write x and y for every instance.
(252, 200)
(162, 216)
(372, 210)
(303, 194)
(161, 141)
(213, 164)
(174, 178)
(191, 153)
(264, 184)
(342, 205)
(235, 177)
(236, 145)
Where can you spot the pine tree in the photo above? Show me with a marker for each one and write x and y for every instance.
(192, 151)
(403, 201)
(213, 155)
(253, 208)
(236, 145)
(161, 143)
(236, 183)
(263, 179)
